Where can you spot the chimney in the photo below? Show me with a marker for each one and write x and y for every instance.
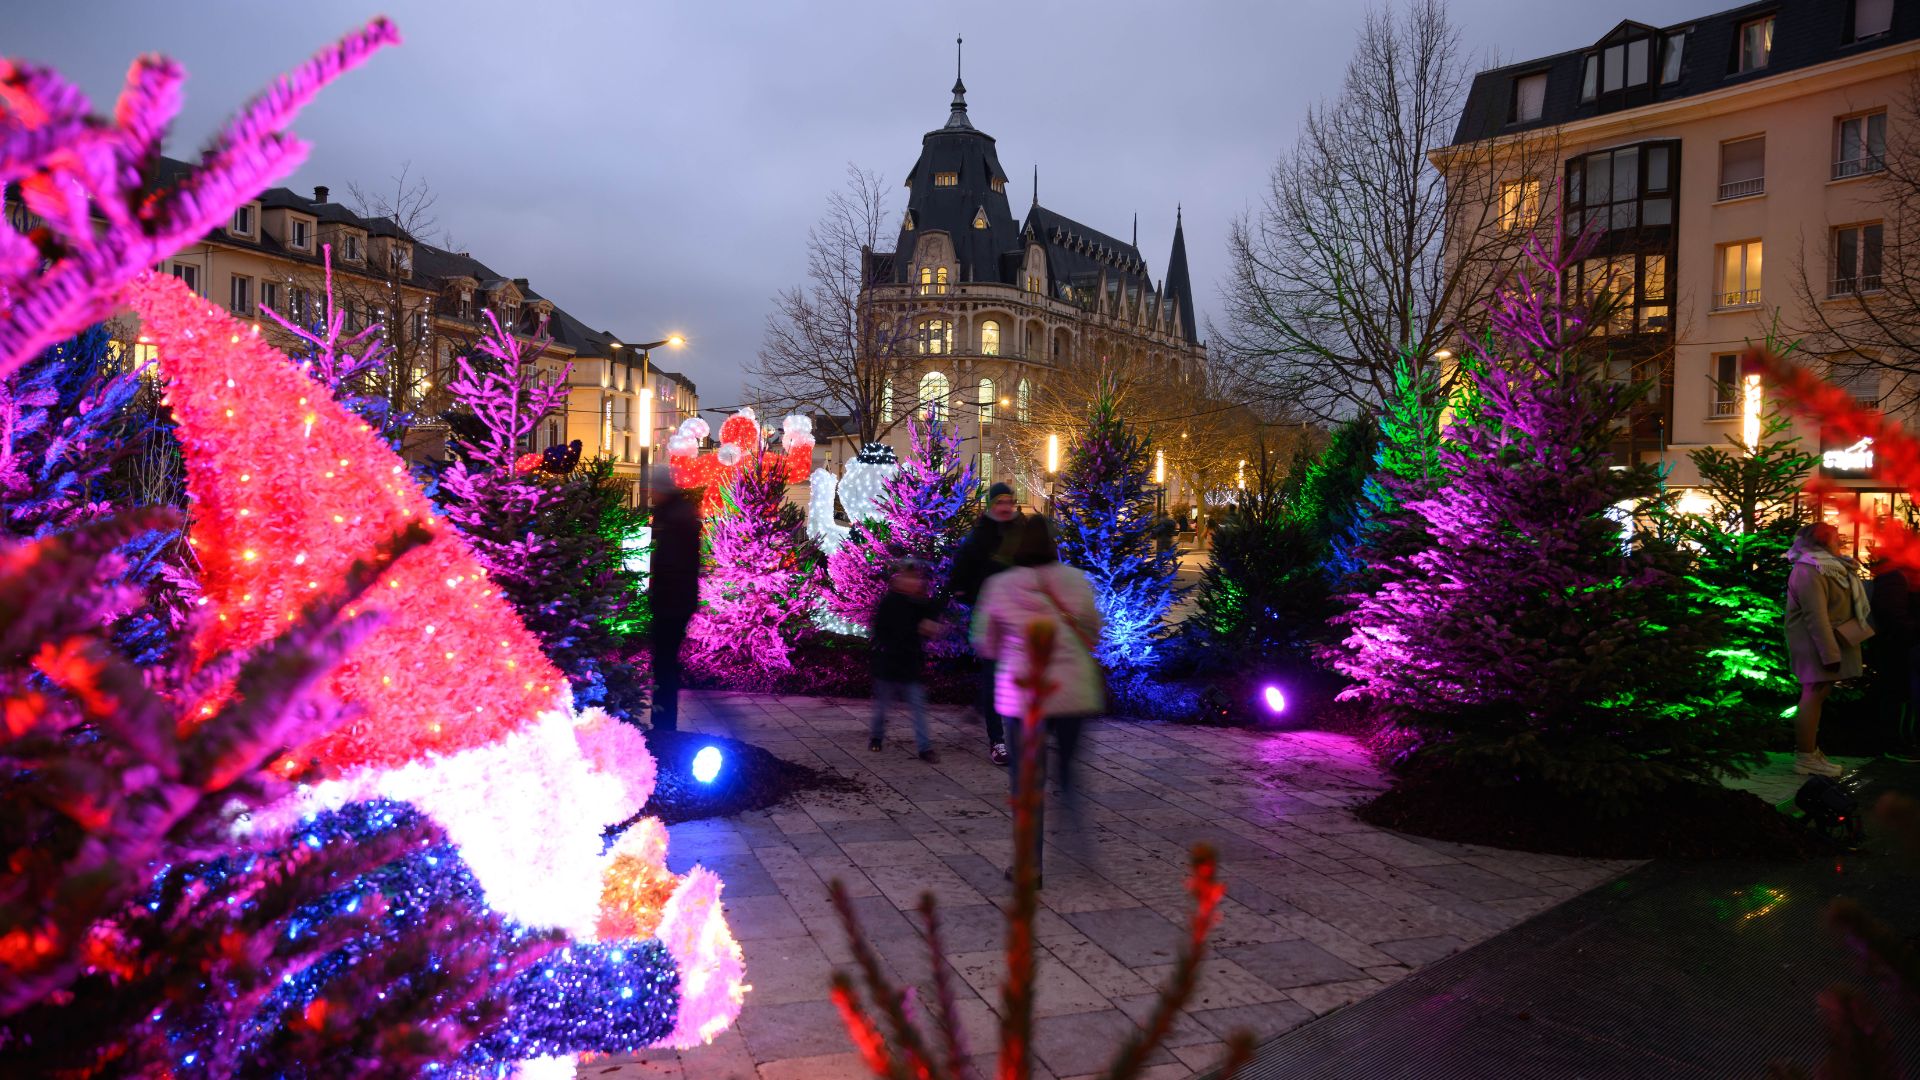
(320, 193)
(521, 282)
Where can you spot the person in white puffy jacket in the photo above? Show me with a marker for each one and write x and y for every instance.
(1039, 587)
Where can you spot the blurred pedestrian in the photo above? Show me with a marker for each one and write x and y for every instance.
(1037, 587)
(976, 561)
(1827, 622)
(1890, 655)
(902, 622)
(673, 589)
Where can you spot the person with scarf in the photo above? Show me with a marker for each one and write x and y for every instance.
(1827, 620)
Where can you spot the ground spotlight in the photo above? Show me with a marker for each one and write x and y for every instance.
(706, 764)
(1275, 700)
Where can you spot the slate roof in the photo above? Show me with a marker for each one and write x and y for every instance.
(1805, 33)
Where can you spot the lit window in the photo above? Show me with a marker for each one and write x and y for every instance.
(240, 298)
(1739, 275)
(1519, 203)
(998, 183)
(990, 338)
(1529, 98)
(1860, 145)
(980, 218)
(300, 235)
(933, 395)
(1856, 259)
(1023, 401)
(940, 281)
(1034, 284)
(242, 221)
(1756, 44)
(934, 337)
(906, 223)
(946, 179)
(1743, 167)
(1871, 18)
(986, 400)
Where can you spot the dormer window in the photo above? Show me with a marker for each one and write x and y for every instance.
(1871, 18)
(1529, 98)
(300, 234)
(1627, 59)
(906, 223)
(1756, 45)
(946, 179)
(980, 218)
(998, 183)
(242, 224)
(351, 248)
(403, 259)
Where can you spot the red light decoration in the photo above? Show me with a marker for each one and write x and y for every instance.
(287, 488)
(740, 441)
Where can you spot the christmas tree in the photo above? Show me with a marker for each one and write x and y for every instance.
(926, 507)
(1244, 607)
(1527, 640)
(348, 365)
(540, 535)
(754, 598)
(1405, 465)
(1105, 512)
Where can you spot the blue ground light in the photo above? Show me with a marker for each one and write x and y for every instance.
(706, 764)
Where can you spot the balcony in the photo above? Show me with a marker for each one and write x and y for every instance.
(1746, 298)
(1859, 166)
(1848, 286)
(1740, 189)
(1726, 408)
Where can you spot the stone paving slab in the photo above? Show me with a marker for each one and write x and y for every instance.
(1322, 909)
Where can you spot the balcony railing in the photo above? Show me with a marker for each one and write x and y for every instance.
(1859, 166)
(1726, 407)
(1745, 298)
(1740, 189)
(1860, 283)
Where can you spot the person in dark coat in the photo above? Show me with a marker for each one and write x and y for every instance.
(902, 621)
(1890, 653)
(673, 590)
(977, 560)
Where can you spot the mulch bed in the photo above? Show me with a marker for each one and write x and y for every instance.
(1688, 821)
(750, 779)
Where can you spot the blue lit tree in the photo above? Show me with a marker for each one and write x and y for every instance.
(1105, 511)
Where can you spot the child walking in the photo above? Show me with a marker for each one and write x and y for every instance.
(901, 623)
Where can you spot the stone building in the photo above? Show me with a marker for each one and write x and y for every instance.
(994, 304)
(1733, 165)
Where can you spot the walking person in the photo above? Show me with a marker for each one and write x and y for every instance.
(673, 589)
(1036, 586)
(1827, 621)
(977, 560)
(902, 622)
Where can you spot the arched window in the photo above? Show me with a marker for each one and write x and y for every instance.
(986, 403)
(940, 280)
(990, 338)
(934, 337)
(926, 280)
(1023, 401)
(933, 395)
(886, 404)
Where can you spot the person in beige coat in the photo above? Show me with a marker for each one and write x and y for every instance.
(1826, 621)
(1038, 587)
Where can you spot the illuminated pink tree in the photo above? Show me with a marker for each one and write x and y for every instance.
(925, 512)
(754, 600)
(1523, 635)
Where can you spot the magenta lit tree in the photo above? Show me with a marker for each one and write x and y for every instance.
(1525, 637)
(926, 509)
(756, 595)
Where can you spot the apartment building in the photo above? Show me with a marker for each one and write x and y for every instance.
(1733, 168)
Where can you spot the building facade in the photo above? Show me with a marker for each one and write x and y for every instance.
(1732, 168)
(991, 305)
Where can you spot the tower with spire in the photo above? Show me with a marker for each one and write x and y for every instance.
(992, 303)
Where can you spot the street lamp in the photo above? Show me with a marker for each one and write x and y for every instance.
(646, 403)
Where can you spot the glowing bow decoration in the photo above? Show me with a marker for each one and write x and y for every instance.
(740, 438)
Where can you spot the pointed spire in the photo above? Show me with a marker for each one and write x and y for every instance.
(1036, 183)
(1179, 285)
(1136, 228)
(958, 118)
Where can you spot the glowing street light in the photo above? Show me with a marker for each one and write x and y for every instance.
(1159, 466)
(1750, 408)
(1053, 453)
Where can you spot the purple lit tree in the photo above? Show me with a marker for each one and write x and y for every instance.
(756, 596)
(926, 509)
(1524, 637)
(538, 533)
(346, 364)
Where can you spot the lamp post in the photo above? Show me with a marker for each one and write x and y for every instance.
(646, 405)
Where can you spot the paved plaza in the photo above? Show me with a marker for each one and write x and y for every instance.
(1322, 910)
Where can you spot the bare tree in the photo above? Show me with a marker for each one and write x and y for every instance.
(1364, 250)
(1859, 295)
(829, 345)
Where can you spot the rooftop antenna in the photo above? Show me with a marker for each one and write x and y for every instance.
(957, 41)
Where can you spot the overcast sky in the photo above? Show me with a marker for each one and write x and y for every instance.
(653, 167)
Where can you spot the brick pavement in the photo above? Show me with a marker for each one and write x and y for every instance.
(1322, 909)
